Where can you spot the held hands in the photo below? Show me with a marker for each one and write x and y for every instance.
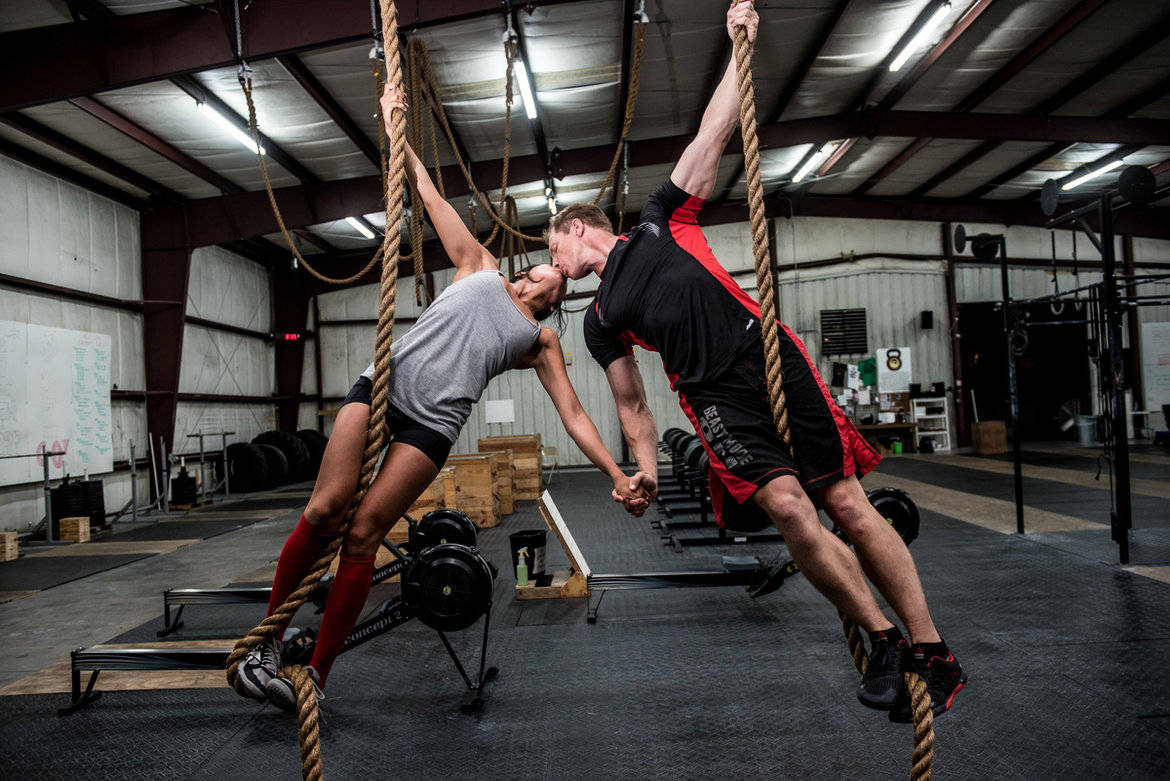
(635, 492)
(743, 14)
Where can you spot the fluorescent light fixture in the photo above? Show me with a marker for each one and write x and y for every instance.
(1091, 175)
(362, 229)
(230, 128)
(525, 87)
(822, 153)
(922, 37)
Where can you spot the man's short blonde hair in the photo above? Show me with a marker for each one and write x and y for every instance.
(588, 213)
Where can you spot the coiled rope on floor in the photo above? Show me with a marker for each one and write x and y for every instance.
(920, 699)
(274, 624)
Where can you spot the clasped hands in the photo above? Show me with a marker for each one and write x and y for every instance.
(635, 493)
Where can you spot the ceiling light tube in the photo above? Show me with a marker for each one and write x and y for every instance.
(362, 229)
(1091, 175)
(825, 150)
(525, 87)
(230, 128)
(922, 37)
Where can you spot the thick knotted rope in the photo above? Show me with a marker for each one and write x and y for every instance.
(275, 624)
(923, 718)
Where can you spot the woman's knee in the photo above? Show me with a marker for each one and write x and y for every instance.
(326, 510)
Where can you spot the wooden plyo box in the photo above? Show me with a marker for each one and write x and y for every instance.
(989, 437)
(74, 529)
(476, 490)
(433, 498)
(505, 480)
(525, 461)
(9, 546)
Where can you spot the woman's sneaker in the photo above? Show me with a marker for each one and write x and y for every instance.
(883, 683)
(944, 677)
(259, 667)
(283, 693)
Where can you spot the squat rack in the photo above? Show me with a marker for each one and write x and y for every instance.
(1106, 305)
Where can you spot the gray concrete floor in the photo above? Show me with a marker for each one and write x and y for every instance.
(1064, 647)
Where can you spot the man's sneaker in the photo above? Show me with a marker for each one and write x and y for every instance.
(283, 693)
(259, 667)
(944, 678)
(883, 681)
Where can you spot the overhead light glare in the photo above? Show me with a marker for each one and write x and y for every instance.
(525, 87)
(362, 229)
(822, 153)
(231, 129)
(922, 37)
(1091, 175)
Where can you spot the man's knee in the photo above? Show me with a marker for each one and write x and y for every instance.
(789, 508)
(846, 504)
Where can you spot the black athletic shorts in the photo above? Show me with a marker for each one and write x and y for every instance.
(733, 417)
(403, 429)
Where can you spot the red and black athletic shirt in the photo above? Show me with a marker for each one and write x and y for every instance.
(663, 290)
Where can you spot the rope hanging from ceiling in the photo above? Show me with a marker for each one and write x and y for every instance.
(276, 623)
(920, 699)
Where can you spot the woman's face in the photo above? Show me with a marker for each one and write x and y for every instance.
(548, 283)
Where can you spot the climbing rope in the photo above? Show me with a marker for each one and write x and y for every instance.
(920, 698)
(622, 152)
(275, 624)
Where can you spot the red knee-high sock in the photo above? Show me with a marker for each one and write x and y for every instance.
(303, 547)
(347, 597)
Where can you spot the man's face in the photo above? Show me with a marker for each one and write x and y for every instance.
(565, 248)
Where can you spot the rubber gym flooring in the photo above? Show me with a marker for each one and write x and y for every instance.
(1065, 650)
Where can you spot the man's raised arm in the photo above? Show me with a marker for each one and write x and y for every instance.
(696, 170)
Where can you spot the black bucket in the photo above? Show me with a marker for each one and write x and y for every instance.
(534, 540)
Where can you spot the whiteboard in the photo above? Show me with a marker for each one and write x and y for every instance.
(1156, 365)
(54, 396)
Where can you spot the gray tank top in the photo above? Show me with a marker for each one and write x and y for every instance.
(469, 334)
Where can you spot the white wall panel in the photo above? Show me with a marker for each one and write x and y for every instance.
(246, 420)
(228, 289)
(59, 234)
(224, 363)
(92, 244)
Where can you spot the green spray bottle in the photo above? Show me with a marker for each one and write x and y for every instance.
(522, 567)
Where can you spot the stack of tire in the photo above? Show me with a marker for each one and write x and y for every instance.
(273, 459)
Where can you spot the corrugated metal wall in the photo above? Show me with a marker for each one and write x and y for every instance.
(225, 288)
(60, 234)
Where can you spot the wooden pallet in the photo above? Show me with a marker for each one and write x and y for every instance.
(192, 506)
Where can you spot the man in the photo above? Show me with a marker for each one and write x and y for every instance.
(662, 288)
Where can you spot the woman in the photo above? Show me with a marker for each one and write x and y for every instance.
(481, 326)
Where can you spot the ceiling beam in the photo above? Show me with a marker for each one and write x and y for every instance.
(70, 175)
(61, 142)
(103, 54)
(1106, 67)
(227, 218)
(152, 142)
(985, 90)
(310, 84)
(898, 91)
